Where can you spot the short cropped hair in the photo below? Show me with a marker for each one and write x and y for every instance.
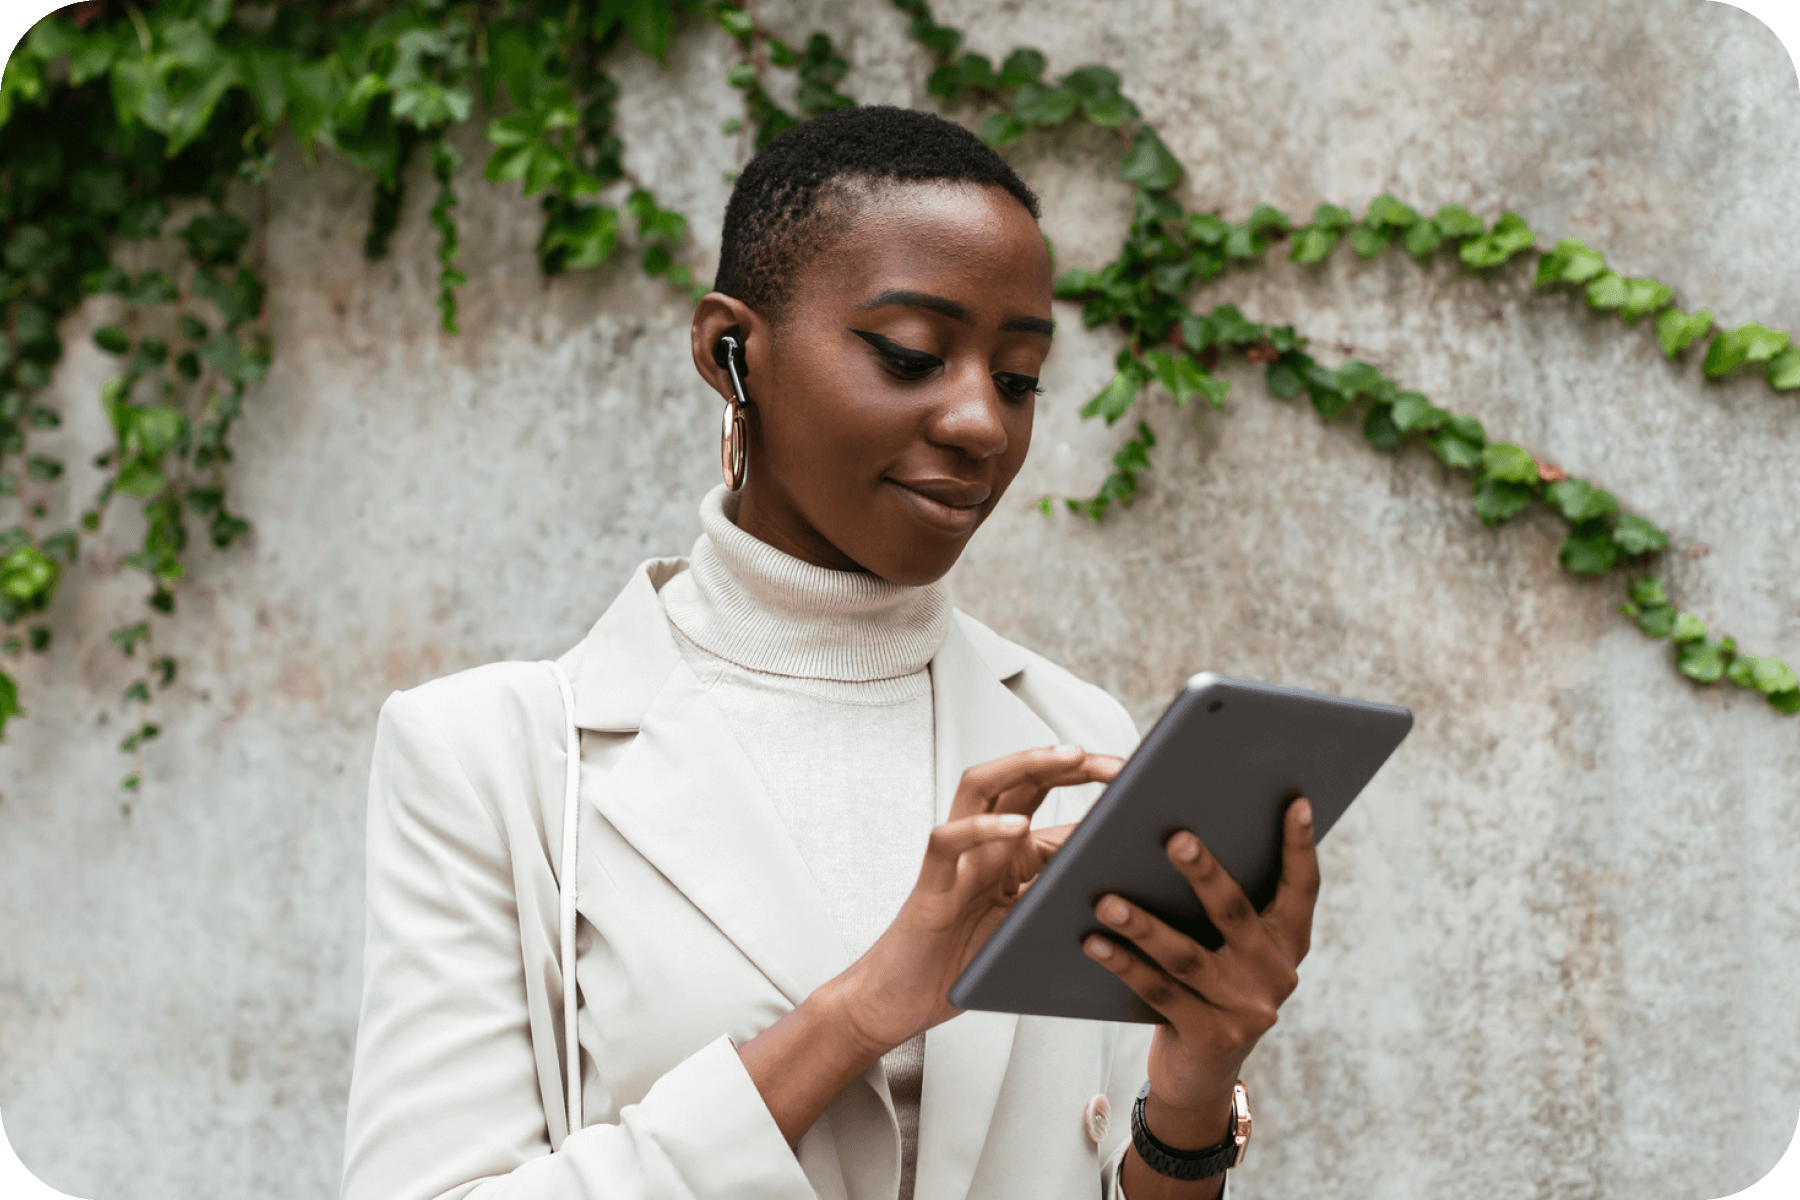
(804, 187)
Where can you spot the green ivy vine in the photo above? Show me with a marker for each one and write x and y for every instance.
(114, 116)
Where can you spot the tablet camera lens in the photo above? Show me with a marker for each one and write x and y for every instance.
(1215, 706)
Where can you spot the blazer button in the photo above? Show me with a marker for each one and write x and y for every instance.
(1097, 1116)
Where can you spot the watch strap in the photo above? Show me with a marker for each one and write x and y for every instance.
(1181, 1164)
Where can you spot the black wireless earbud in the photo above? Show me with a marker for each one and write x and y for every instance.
(728, 352)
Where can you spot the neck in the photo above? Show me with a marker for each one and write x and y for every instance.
(770, 516)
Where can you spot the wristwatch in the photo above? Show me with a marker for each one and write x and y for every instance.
(1194, 1164)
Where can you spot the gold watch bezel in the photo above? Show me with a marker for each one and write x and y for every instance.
(1240, 1121)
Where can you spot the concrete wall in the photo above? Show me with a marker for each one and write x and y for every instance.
(1559, 941)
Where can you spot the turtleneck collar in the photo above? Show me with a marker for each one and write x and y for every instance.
(759, 608)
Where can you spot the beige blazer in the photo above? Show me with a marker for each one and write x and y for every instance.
(698, 925)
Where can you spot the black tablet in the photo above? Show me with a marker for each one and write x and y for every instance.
(1223, 761)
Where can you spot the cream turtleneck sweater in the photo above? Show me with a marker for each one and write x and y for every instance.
(823, 677)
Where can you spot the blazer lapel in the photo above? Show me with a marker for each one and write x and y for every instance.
(686, 798)
(977, 719)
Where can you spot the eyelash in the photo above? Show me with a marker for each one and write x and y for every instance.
(914, 365)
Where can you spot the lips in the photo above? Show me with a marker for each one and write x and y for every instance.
(953, 493)
(949, 506)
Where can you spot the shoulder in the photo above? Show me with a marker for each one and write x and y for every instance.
(494, 734)
(1078, 711)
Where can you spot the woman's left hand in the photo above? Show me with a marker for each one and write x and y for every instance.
(1215, 1004)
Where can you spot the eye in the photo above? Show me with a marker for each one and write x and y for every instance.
(902, 361)
(1017, 387)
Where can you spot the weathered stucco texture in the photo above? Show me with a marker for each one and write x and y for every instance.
(1558, 948)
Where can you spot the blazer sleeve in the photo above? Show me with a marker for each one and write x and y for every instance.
(445, 1100)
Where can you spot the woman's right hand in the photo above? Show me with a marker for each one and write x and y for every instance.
(977, 865)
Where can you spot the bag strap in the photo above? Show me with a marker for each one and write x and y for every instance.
(568, 877)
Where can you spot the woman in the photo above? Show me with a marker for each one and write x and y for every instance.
(770, 738)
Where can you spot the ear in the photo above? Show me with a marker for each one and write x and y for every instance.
(715, 316)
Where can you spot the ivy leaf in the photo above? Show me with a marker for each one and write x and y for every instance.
(1388, 214)
(1021, 66)
(1368, 241)
(1607, 290)
(1149, 164)
(152, 287)
(1589, 549)
(1675, 329)
(1746, 343)
(112, 339)
(650, 23)
(1702, 661)
(1657, 620)
(1109, 112)
(735, 21)
(238, 301)
(1497, 500)
(1580, 501)
(9, 702)
(1312, 244)
(144, 219)
(1185, 378)
(1787, 703)
(1282, 379)
(1570, 262)
(1689, 628)
(27, 577)
(1455, 221)
(1508, 463)
(1265, 217)
(1000, 129)
(1090, 82)
(1649, 591)
(585, 237)
(265, 78)
(1422, 237)
(1784, 370)
(1413, 411)
(1454, 451)
(1208, 229)
(1242, 242)
(1379, 428)
(1769, 675)
(1643, 296)
(1115, 399)
(214, 239)
(1040, 104)
(1357, 378)
(127, 639)
(1509, 235)
(1634, 535)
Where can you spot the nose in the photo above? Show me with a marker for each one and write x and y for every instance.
(970, 416)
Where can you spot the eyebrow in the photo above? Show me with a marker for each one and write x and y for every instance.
(906, 298)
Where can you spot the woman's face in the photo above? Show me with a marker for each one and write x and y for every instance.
(892, 406)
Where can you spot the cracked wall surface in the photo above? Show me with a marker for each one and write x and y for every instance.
(1559, 940)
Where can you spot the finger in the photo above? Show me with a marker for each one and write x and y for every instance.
(1289, 916)
(1050, 840)
(951, 840)
(1180, 956)
(1030, 774)
(1224, 901)
(1025, 797)
(1171, 1000)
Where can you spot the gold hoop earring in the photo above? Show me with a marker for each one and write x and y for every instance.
(734, 439)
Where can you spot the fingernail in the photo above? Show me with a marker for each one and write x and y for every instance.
(1014, 822)
(1304, 809)
(1113, 911)
(1186, 847)
(1067, 749)
(1099, 948)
